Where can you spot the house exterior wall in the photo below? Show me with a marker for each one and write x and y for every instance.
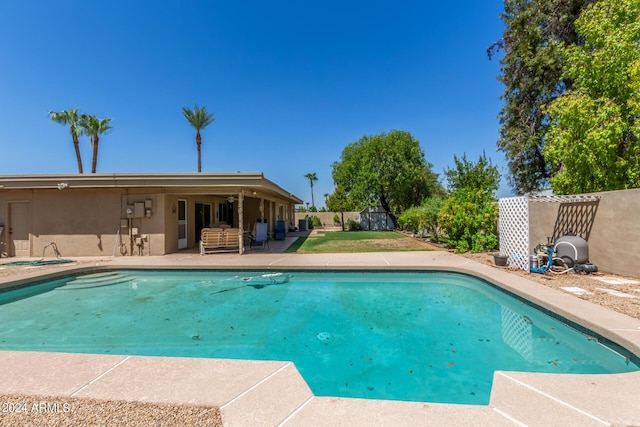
(614, 242)
(87, 222)
(83, 222)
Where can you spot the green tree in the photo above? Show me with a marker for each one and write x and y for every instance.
(594, 128)
(339, 201)
(199, 118)
(94, 127)
(532, 75)
(482, 174)
(387, 168)
(469, 217)
(71, 119)
(312, 177)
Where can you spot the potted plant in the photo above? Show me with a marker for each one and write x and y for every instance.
(500, 259)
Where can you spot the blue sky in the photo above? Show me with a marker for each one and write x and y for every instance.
(291, 83)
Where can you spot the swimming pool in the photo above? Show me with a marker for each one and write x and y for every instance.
(418, 336)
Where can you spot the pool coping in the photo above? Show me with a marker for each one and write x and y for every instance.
(273, 393)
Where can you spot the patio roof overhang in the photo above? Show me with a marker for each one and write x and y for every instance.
(212, 183)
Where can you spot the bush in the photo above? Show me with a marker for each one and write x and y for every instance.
(314, 221)
(353, 225)
(411, 219)
(469, 221)
(432, 208)
(422, 219)
(469, 217)
(336, 219)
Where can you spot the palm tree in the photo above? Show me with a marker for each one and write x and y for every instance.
(94, 127)
(70, 117)
(311, 177)
(199, 118)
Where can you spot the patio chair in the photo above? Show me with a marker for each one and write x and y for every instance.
(259, 237)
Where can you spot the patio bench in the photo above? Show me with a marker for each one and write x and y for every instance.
(213, 240)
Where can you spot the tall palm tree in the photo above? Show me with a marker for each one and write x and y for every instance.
(199, 118)
(94, 127)
(71, 118)
(312, 177)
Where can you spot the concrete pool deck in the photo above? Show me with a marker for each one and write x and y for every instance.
(252, 393)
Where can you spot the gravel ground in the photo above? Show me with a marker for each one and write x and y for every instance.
(19, 410)
(588, 282)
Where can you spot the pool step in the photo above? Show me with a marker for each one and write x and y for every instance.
(97, 280)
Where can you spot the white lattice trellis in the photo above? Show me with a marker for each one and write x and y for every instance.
(513, 227)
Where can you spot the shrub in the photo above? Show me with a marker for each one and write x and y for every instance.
(336, 219)
(432, 208)
(353, 225)
(469, 221)
(469, 217)
(410, 219)
(314, 221)
(424, 218)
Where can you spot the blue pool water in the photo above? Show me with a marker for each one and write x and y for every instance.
(416, 336)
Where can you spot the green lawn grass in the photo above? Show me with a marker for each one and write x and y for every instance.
(357, 241)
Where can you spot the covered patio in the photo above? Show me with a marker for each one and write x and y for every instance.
(133, 214)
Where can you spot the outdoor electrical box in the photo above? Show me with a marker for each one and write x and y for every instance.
(138, 211)
(134, 231)
(124, 223)
(148, 204)
(147, 212)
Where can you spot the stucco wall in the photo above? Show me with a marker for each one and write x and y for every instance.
(542, 217)
(86, 223)
(326, 217)
(614, 242)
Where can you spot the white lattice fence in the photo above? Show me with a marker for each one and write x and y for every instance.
(513, 227)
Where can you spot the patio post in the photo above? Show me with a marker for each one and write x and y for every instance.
(241, 222)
